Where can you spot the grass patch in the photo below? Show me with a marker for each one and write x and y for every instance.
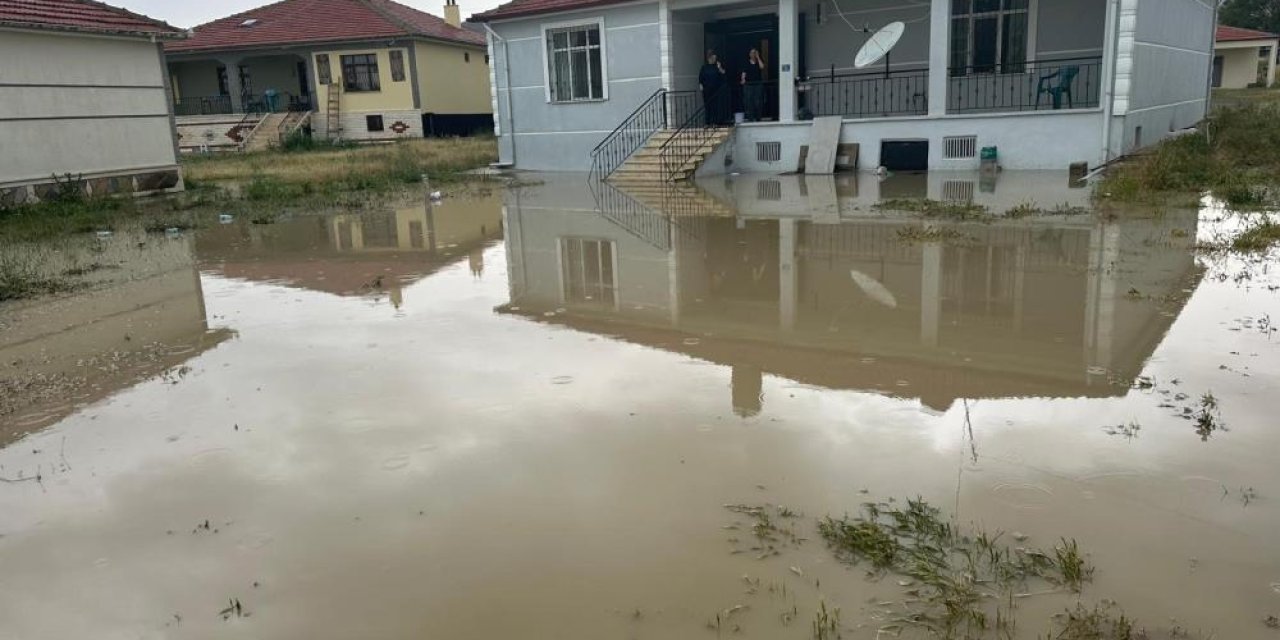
(1257, 238)
(1238, 161)
(935, 208)
(21, 279)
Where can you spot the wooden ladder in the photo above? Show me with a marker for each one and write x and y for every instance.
(334, 120)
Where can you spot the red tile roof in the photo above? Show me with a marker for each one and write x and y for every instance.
(1235, 34)
(81, 15)
(293, 22)
(520, 8)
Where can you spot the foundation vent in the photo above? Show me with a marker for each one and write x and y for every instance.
(958, 191)
(768, 190)
(769, 151)
(956, 147)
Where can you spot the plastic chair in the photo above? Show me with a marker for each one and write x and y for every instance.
(1064, 77)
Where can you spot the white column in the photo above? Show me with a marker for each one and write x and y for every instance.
(1271, 64)
(939, 55)
(788, 275)
(930, 293)
(233, 83)
(788, 58)
(664, 43)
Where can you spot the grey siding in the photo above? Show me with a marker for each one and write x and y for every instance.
(1172, 53)
(559, 137)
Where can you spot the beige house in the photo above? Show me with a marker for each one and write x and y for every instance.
(83, 101)
(349, 69)
(1244, 58)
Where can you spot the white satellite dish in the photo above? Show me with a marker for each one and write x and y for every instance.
(879, 45)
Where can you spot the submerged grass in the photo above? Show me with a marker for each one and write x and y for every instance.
(1236, 156)
(935, 208)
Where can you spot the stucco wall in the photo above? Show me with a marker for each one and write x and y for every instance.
(195, 78)
(1240, 66)
(392, 96)
(449, 83)
(276, 72)
(559, 137)
(107, 112)
(1163, 80)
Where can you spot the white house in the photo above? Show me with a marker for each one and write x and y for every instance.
(1042, 83)
(1244, 58)
(83, 93)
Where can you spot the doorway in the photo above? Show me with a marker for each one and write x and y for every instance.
(732, 40)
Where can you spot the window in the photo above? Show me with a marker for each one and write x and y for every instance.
(360, 73)
(1264, 53)
(373, 123)
(575, 63)
(224, 88)
(586, 269)
(397, 65)
(323, 70)
(989, 36)
(246, 81)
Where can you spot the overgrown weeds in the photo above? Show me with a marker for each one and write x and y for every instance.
(935, 208)
(20, 279)
(1103, 622)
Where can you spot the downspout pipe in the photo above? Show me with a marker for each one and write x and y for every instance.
(506, 72)
(1113, 46)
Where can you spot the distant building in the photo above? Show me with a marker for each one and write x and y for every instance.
(83, 94)
(350, 69)
(1244, 58)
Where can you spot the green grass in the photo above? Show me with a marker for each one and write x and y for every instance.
(1258, 238)
(21, 279)
(935, 209)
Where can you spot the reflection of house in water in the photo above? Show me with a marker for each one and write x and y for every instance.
(846, 296)
(61, 353)
(354, 254)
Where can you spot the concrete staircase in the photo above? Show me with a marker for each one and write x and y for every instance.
(645, 165)
(267, 133)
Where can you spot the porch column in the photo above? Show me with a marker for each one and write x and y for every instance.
(1271, 65)
(233, 83)
(788, 58)
(930, 293)
(939, 55)
(788, 275)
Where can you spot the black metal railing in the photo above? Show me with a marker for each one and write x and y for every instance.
(249, 103)
(1074, 83)
(657, 112)
(867, 95)
(202, 106)
(637, 218)
(692, 137)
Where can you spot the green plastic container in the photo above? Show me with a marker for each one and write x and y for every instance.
(989, 153)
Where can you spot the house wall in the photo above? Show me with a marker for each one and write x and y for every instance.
(275, 72)
(449, 84)
(79, 104)
(1240, 65)
(1165, 49)
(195, 78)
(394, 102)
(559, 137)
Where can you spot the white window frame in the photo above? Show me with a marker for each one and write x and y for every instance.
(547, 28)
(562, 241)
(1033, 19)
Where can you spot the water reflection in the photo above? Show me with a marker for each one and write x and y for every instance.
(804, 279)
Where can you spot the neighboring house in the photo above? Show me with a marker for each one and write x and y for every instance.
(1244, 58)
(967, 75)
(83, 94)
(351, 69)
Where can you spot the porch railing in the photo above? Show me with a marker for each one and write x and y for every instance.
(1072, 83)
(867, 95)
(692, 137)
(202, 106)
(657, 112)
(249, 103)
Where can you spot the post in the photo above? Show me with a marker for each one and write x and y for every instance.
(1271, 64)
(788, 58)
(939, 56)
(788, 275)
(233, 83)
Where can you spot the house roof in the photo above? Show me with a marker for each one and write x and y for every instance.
(297, 22)
(82, 16)
(1236, 34)
(521, 8)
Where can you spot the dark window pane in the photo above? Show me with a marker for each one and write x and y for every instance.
(560, 40)
(983, 6)
(593, 36)
(578, 38)
(597, 76)
(1014, 43)
(959, 46)
(581, 75)
(960, 7)
(984, 44)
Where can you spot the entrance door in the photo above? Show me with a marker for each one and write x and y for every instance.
(1218, 63)
(733, 40)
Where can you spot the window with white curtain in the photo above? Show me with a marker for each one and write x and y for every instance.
(989, 36)
(575, 63)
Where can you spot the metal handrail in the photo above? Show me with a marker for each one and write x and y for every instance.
(690, 137)
(631, 134)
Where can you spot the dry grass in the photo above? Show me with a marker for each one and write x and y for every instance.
(359, 167)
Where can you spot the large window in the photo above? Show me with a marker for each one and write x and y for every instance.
(586, 270)
(989, 36)
(575, 63)
(360, 73)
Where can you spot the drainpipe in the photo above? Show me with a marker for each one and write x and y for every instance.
(1113, 45)
(506, 72)
(1213, 50)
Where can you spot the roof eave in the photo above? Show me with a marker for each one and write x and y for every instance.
(41, 26)
(306, 44)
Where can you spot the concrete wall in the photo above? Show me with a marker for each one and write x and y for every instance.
(559, 137)
(194, 78)
(1164, 53)
(82, 105)
(1044, 140)
(275, 72)
(1240, 63)
(452, 79)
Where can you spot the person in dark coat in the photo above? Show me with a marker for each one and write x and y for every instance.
(711, 80)
(752, 80)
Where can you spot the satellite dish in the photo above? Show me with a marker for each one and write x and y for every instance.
(881, 43)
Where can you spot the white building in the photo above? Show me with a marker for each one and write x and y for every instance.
(83, 101)
(1046, 83)
(1244, 58)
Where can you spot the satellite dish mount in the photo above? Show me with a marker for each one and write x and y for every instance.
(877, 47)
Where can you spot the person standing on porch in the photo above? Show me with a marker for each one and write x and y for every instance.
(711, 80)
(752, 81)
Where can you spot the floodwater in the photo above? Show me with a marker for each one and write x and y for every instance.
(521, 415)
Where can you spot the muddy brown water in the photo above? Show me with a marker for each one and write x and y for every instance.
(520, 416)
